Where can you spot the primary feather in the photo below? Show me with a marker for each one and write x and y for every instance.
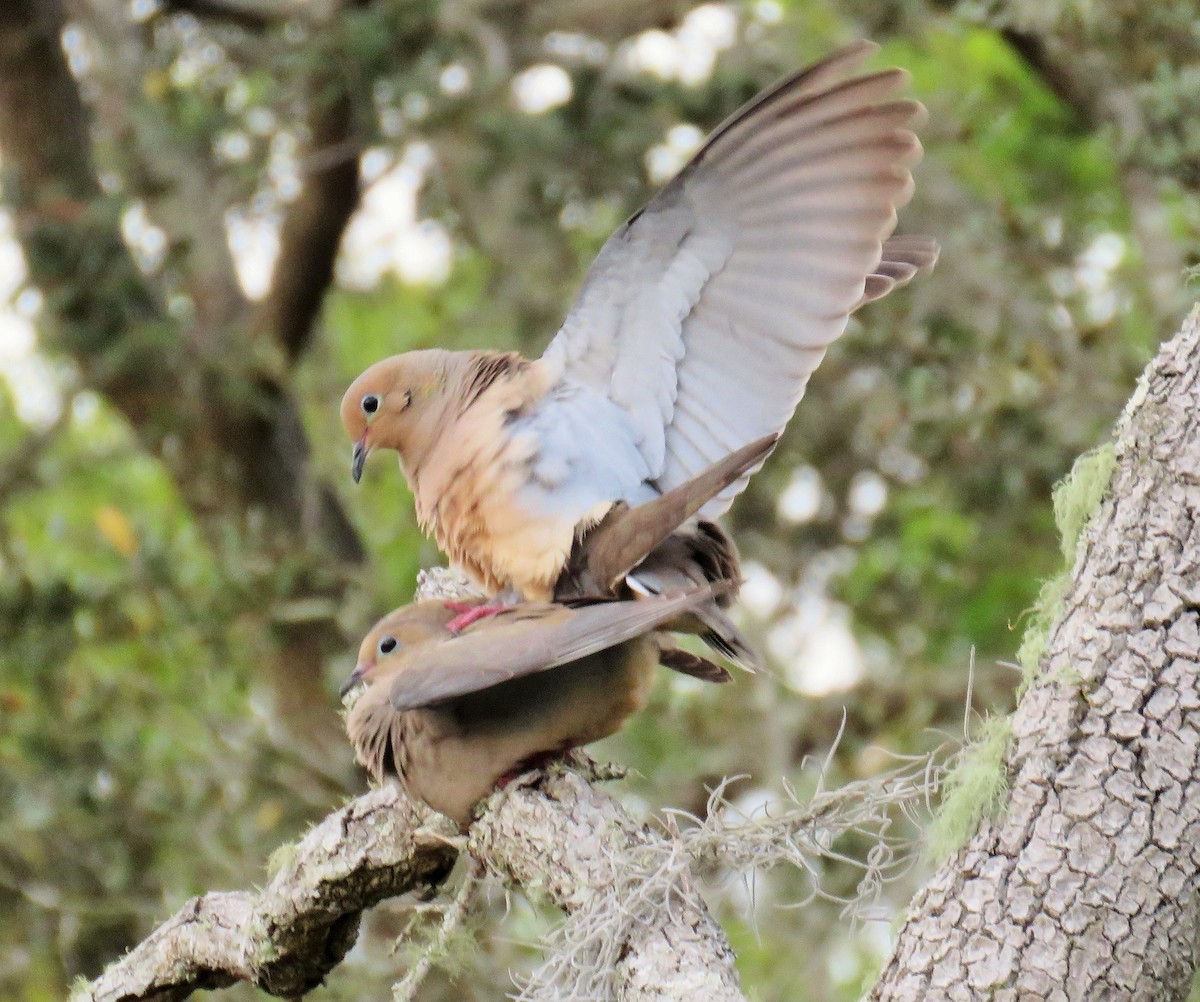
(705, 314)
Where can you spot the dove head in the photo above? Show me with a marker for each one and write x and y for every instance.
(394, 640)
(397, 404)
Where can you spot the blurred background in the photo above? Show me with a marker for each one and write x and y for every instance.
(215, 213)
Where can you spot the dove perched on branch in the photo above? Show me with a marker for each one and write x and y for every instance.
(695, 333)
(452, 715)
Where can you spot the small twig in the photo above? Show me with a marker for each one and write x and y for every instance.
(244, 14)
(455, 915)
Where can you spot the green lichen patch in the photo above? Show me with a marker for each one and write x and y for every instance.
(975, 787)
(1079, 493)
(1076, 498)
(1037, 630)
(280, 859)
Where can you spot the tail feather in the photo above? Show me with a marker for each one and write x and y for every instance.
(687, 663)
(626, 536)
(725, 638)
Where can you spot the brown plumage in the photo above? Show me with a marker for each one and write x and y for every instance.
(659, 546)
(451, 715)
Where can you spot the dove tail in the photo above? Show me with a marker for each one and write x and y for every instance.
(725, 638)
(626, 536)
(687, 663)
(699, 553)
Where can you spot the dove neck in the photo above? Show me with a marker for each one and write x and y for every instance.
(442, 414)
(433, 407)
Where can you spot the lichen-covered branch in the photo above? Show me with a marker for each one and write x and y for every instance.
(1086, 886)
(288, 936)
(553, 833)
(637, 927)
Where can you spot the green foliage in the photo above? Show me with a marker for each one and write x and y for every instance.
(1012, 117)
(974, 788)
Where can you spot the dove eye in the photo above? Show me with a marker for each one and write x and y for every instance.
(370, 404)
(387, 645)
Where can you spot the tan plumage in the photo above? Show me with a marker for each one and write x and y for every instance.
(450, 716)
(695, 333)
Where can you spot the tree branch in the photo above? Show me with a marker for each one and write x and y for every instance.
(1087, 887)
(248, 15)
(637, 926)
(553, 831)
(312, 229)
(288, 936)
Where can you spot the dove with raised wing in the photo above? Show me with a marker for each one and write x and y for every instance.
(695, 333)
(452, 715)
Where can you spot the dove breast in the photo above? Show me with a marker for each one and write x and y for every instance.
(519, 470)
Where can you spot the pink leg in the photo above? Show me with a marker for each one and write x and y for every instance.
(468, 614)
(537, 761)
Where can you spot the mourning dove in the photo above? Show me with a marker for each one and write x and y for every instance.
(695, 333)
(451, 715)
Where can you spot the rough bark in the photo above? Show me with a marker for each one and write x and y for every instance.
(553, 832)
(288, 936)
(653, 936)
(1086, 887)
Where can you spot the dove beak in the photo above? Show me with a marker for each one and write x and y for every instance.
(356, 676)
(359, 457)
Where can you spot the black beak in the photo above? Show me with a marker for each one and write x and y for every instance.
(352, 681)
(359, 458)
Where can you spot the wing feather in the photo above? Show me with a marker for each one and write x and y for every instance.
(515, 644)
(705, 314)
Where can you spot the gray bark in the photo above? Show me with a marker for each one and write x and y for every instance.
(1086, 887)
(288, 936)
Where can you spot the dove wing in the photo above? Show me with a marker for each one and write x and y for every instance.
(703, 316)
(525, 641)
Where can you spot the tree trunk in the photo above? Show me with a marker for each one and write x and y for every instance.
(1086, 887)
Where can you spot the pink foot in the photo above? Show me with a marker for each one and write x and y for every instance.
(536, 761)
(468, 614)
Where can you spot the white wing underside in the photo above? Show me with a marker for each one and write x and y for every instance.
(705, 314)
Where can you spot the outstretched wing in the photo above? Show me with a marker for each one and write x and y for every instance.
(705, 314)
(530, 638)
